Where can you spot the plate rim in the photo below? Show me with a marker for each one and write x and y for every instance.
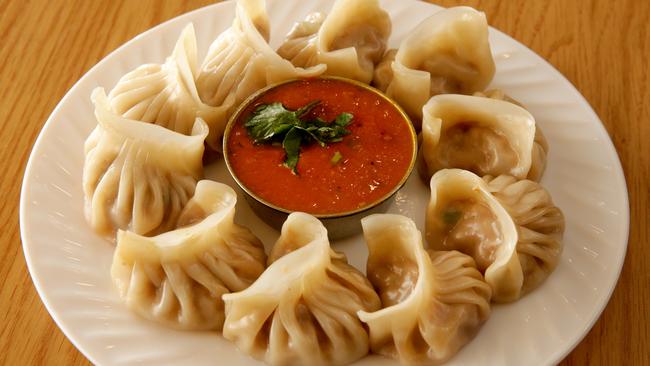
(555, 357)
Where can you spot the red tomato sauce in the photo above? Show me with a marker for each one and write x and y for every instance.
(375, 155)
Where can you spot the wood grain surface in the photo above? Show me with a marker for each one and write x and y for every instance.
(602, 47)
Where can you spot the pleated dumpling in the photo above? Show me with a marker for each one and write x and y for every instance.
(177, 278)
(433, 303)
(166, 95)
(302, 310)
(511, 228)
(350, 40)
(448, 52)
(540, 226)
(540, 145)
(136, 175)
(482, 135)
(240, 61)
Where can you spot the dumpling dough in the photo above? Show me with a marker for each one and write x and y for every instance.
(302, 309)
(482, 135)
(540, 226)
(433, 303)
(165, 94)
(137, 175)
(177, 278)
(240, 61)
(511, 228)
(446, 53)
(540, 145)
(350, 40)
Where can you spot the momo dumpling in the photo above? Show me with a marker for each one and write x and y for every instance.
(463, 215)
(137, 175)
(447, 53)
(296, 233)
(166, 94)
(540, 225)
(433, 302)
(540, 145)
(302, 309)
(482, 135)
(177, 278)
(513, 231)
(240, 61)
(350, 40)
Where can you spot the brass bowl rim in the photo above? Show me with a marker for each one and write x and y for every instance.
(250, 99)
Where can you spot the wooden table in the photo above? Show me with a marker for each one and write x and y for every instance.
(602, 47)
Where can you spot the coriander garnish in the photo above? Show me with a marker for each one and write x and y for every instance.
(336, 158)
(450, 217)
(272, 123)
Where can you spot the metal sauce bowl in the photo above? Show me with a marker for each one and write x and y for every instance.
(339, 225)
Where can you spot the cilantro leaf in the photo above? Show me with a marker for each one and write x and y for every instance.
(343, 119)
(291, 145)
(269, 120)
(450, 217)
(336, 158)
(311, 133)
(307, 108)
(274, 124)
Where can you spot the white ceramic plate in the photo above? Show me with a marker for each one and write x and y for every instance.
(70, 265)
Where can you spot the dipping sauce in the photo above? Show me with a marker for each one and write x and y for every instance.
(362, 169)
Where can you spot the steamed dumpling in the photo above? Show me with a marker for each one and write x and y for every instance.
(433, 303)
(511, 228)
(302, 309)
(177, 278)
(482, 135)
(240, 61)
(350, 40)
(138, 176)
(446, 53)
(463, 215)
(296, 233)
(540, 145)
(540, 226)
(165, 94)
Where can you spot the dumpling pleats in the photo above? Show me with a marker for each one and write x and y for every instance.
(166, 94)
(177, 278)
(240, 62)
(433, 303)
(448, 52)
(137, 175)
(350, 40)
(540, 226)
(510, 227)
(302, 310)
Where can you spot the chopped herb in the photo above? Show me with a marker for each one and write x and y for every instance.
(343, 119)
(291, 145)
(336, 158)
(451, 217)
(273, 123)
